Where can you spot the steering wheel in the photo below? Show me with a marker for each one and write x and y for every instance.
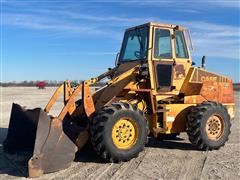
(137, 54)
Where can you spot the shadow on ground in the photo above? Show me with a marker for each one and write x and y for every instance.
(87, 154)
(16, 164)
(174, 143)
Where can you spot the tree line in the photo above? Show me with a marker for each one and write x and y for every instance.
(48, 83)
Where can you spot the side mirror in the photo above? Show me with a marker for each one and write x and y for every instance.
(117, 59)
(193, 63)
(203, 62)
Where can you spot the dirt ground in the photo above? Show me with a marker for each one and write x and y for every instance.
(175, 159)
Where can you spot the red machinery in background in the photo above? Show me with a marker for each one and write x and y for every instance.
(41, 85)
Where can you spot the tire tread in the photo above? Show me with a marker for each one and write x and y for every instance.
(98, 124)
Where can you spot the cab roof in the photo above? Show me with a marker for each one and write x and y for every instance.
(170, 26)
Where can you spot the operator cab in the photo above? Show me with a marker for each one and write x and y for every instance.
(164, 48)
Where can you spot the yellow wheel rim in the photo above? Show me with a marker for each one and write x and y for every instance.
(214, 127)
(124, 133)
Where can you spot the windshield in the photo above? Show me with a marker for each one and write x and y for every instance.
(134, 45)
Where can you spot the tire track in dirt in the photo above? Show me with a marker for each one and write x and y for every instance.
(79, 170)
(158, 163)
(167, 160)
(129, 166)
(91, 171)
(100, 172)
(105, 172)
(223, 163)
(115, 171)
(193, 165)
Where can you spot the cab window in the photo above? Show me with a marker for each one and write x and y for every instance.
(180, 45)
(162, 44)
(134, 45)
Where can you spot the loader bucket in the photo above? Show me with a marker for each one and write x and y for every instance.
(43, 136)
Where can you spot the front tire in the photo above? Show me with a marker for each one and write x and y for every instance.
(119, 132)
(208, 126)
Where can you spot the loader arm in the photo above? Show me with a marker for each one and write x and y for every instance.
(84, 88)
(70, 96)
(53, 141)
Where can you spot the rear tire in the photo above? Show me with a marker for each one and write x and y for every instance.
(208, 126)
(119, 132)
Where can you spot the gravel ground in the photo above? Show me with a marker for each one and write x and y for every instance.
(175, 159)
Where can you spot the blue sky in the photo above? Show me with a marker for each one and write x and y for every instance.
(59, 40)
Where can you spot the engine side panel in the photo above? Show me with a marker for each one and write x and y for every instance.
(209, 86)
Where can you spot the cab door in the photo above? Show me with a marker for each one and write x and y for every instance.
(171, 59)
(162, 57)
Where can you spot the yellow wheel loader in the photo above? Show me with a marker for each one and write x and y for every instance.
(154, 90)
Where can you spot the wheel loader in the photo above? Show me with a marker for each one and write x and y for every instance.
(154, 90)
